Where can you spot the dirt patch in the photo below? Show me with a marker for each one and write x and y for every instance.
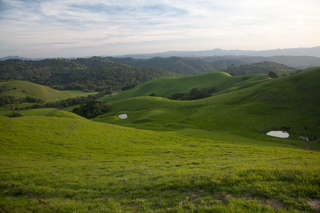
(273, 203)
(315, 204)
(228, 196)
(310, 148)
(218, 197)
(193, 194)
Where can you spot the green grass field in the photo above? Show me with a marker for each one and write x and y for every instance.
(208, 155)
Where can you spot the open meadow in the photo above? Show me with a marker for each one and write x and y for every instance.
(206, 155)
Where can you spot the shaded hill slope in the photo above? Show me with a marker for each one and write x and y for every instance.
(165, 87)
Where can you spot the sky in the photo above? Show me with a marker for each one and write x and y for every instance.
(79, 28)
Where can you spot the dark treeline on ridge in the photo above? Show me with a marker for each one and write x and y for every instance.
(62, 103)
(96, 73)
(111, 74)
(194, 94)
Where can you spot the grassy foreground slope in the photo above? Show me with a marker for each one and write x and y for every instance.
(291, 102)
(76, 165)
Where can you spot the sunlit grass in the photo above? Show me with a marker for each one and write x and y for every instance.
(79, 165)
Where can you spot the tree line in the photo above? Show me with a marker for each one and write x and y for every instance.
(63, 103)
(7, 99)
(194, 94)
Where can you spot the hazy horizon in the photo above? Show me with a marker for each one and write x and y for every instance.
(80, 28)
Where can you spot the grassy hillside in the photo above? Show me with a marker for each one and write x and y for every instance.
(291, 101)
(21, 89)
(84, 166)
(165, 87)
(211, 155)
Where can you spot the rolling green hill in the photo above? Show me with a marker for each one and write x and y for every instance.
(22, 89)
(291, 101)
(164, 87)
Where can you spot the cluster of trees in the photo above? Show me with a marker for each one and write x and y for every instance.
(91, 109)
(87, 74)
(5, 99)
(194, 94)
(63, 103)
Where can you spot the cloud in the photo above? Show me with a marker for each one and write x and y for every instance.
(72, 24)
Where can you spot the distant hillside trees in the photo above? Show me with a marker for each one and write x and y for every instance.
(4, 99)
(88, 74)
(194, 94)
(63, 103)
(262, 67)
(92, 109)
(179, 65)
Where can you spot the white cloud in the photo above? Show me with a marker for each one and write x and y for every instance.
(63, 26)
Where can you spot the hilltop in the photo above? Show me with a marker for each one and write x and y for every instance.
(22, 89)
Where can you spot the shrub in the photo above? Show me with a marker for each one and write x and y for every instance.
(15, 114)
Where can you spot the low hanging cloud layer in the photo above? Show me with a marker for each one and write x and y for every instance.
(75, 28)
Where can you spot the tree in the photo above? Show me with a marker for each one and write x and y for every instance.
(92, 109)
(273, 74)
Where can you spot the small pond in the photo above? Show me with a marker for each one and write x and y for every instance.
(278, 134)
(123, 116)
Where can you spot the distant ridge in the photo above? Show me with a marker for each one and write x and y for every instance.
(313, 51)
(14, 57)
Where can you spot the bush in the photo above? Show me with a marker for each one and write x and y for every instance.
(273, 75)
(15, 114)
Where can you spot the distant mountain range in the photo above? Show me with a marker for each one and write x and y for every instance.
(15, 57)
(313, 51)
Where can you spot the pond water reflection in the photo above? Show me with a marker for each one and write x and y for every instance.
(123, 116)
(278, 134)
